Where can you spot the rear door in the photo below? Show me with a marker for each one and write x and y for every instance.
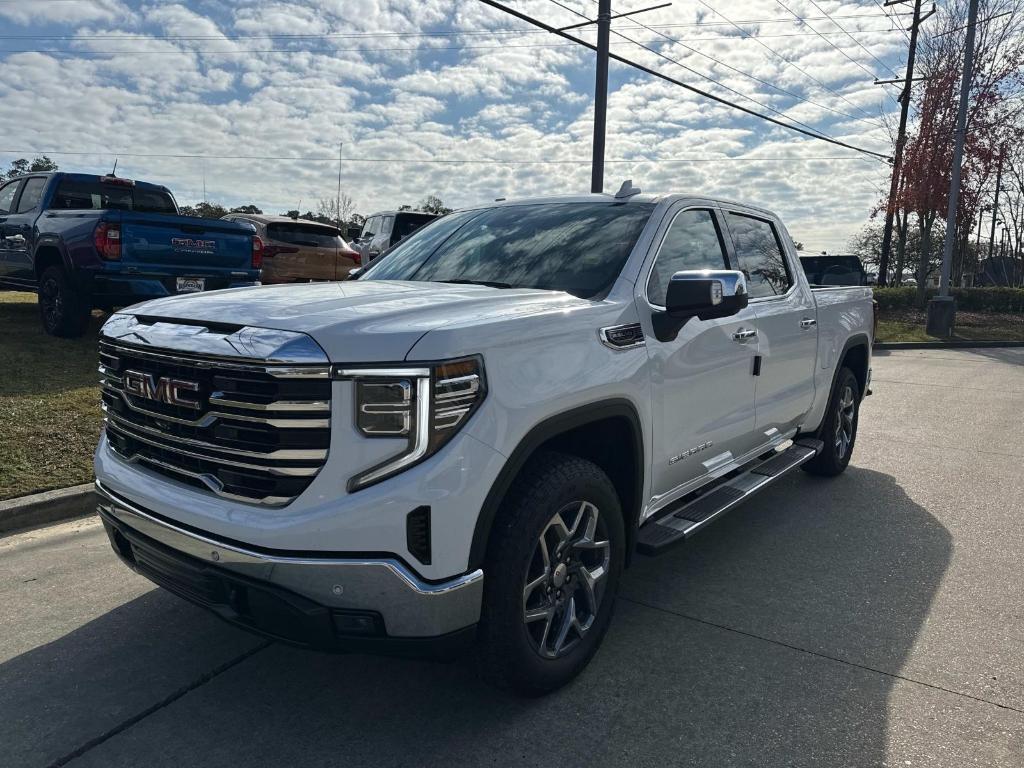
(702, 382)
(786, 319)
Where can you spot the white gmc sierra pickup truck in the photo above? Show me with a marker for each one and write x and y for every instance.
(467, 443)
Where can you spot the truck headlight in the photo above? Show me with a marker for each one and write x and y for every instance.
(426, 405)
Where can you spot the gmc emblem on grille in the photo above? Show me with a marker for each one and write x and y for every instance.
(163, 390)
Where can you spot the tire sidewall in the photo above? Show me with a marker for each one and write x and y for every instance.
(506, 572)
(846, 378)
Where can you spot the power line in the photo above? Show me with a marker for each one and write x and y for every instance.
(372, 49)
(757, 79)
(430, 161)
(702, 75)
(844, 53)
(778, 55)
(893, 18)
(858, 42)
(387, 33)
(680, 83)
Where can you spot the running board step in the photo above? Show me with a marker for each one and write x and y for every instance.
(658, 535)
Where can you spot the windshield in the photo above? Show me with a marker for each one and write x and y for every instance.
(579, 248)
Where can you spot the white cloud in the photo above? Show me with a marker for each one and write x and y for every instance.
(401, 99)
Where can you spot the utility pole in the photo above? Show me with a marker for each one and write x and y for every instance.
(901, 140)
(995, 203)
(604, 25)
(337, 200)
(942, 309)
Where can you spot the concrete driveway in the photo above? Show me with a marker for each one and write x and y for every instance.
(874, 619)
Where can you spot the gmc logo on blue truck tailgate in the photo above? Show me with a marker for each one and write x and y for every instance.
(187, 244)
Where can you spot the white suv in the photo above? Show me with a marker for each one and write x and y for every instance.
(468, 443)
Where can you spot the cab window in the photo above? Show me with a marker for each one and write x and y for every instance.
(692, 242)
(760, 255)
(7, 193)
(31, 194)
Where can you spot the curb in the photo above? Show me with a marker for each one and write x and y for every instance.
(946, 344)
(47, 507)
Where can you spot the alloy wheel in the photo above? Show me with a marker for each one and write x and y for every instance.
(565, 579)
(844, 422)
(51, 302)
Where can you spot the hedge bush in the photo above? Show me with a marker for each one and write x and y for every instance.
(969, 299)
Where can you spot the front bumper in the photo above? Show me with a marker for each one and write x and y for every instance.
(323, 602)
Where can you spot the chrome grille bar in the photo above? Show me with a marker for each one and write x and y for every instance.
(262, 429)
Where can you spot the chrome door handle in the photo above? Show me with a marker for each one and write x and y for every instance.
(16, 239)
(742, 335)
(808, 322)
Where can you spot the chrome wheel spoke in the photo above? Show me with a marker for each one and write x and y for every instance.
(546, 612)
(528, 591)
(568, 618)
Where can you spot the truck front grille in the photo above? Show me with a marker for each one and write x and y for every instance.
(249, 431)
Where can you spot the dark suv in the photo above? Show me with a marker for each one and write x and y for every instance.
(385, 229)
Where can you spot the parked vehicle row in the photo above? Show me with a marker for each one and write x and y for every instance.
(299, 251)
(469, 442)
(85, 242)
(97, 242)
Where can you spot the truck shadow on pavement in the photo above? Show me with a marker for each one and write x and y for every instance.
(770, 639)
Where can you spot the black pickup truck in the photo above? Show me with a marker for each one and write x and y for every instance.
(88, 242)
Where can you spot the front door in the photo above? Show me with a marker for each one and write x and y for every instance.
(702, 382)
(786, 322)
(17, 231)
(8, 193)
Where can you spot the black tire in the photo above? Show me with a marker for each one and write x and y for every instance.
(511, 654)
(63, 310)
(839, 428)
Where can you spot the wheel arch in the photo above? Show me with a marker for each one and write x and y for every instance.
(595, 432)
(856, 356)
(48, 253)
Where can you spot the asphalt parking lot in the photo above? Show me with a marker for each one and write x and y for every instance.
(875, 619)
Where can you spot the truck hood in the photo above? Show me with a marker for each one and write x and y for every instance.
(359, 321)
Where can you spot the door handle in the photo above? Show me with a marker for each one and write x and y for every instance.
(808, 322)
(16, 239)
(744, 335)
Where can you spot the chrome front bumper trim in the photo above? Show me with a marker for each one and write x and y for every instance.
(410, 606)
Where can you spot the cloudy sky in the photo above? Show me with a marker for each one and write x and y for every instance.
(412, 88)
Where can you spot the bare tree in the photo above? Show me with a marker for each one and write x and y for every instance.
(994, 120)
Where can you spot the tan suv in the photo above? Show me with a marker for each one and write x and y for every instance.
(299, 250)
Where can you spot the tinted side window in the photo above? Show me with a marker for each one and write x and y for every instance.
(692, 242)
(30, 195)
(385, 225)
(760, 257)
(7, 193)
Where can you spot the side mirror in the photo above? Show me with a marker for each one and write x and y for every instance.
(355, 273)
(705, 294)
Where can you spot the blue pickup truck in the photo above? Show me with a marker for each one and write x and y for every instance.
(87, 242)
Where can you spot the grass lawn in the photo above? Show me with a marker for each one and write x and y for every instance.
(909, 324)
(49, 401)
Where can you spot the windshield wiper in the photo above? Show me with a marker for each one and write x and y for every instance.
(488, 283)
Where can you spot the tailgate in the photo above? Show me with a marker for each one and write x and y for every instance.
(186, 244)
